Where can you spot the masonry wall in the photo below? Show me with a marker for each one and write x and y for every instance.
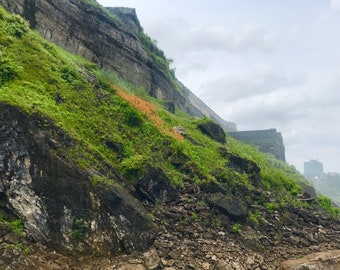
(268, 141)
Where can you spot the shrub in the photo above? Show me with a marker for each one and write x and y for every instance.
(8, 71)
(237, 228)
(17, 226)
(16, 27)
(132, 117)
(132, 165)
(78, 228)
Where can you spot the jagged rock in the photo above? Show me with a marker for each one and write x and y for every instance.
(128, 266)
(180, 130)
(205, 266)
(223, 265)
(309, 192)
(170, 106)
(11, 238)
(213, 130)
(57, 201)
(114, 146)
(154, 185)
(175, 254)
(151, 259)
(242, 165)
(213, 187)
(329, 260)
(230, 205)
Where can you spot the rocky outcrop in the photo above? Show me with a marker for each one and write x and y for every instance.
(154, 185)
(229, 205)
(113, 39)
(56, 200)
(268, 141)
(213, 130)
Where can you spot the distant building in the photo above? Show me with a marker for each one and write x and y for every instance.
(313, 169)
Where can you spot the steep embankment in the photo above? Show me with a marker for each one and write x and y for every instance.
(87, 169)
(113, 39)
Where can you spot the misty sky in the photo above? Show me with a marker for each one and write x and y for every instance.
(259, 63)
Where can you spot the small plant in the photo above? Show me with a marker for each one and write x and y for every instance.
(21, 246)
(132, 117)
(194, 216)
(24, 248)
(150, 216)
(132, 165)
(8, 71)
(78, 231)
(273, 206)
(237, 228)
(17, 226)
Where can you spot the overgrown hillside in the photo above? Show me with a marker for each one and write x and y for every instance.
(116, 136)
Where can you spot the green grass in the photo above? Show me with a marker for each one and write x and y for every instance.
(16, 225)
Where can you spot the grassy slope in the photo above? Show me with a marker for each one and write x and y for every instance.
(85, 102)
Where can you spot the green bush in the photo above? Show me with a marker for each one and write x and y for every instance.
(78, 228)
(132, 165)
(17, 26)
(17, 226)
(8, 71)
(237, 228)
(132, 117)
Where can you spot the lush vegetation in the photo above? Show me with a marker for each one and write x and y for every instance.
(117, 125)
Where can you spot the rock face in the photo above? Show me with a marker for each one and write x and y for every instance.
(154, 185)
(59, 204)
(268, 141)
(230, 205)
(113, 39)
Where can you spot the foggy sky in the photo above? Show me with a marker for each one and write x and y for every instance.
(259, 63)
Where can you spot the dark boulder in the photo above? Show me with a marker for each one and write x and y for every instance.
(126, 219)
(242, 165)
(154, 185)
(213, 130)
(114, 146)
(308, 192)
(230, 205)
(170, 106)
(213, 187)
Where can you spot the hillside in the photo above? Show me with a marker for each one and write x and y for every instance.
(96, 173)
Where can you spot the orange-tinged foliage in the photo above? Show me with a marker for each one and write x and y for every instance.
(149, 110)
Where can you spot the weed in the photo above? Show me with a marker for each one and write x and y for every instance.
(78, 228)
(21, 246)
(237, 228)
(17, 226)
(194, 216)
(150, 216)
